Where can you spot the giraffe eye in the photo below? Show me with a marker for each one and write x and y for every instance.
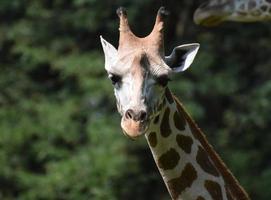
(114, 78)
(163, 80)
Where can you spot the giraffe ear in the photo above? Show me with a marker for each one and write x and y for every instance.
(110, 53)
(182, 57)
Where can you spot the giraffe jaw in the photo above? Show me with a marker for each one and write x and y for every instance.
(133, 129)
(209, 17)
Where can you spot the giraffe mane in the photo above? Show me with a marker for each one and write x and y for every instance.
(231, 182)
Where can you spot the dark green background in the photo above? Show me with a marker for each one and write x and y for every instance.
(60, 135)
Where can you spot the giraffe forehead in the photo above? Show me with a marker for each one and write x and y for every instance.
(140, 62)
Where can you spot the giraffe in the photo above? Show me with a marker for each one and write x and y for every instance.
(139, 72)
(215, 12)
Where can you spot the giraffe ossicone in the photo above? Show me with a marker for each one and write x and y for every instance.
(214, 12)
(139, 72)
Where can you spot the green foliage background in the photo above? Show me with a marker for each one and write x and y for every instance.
(60, 136)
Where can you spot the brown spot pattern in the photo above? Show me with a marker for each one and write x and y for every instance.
(169, 159)
(214, 189)
(152, 139)
(200, 198)
(205, 163)
(164, 126)
(264, 8)
(185, 180)
(251, 4)
(169, 96)
(156, 119)
(237, 190)
(242, 7)
(179, 121)
(185, 142)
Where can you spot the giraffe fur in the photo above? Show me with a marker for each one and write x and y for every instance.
(195, 167)
(214, 12)
(139, 72)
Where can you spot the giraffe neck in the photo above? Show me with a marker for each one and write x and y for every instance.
(189, 166)
(251, 10)
(216, 11)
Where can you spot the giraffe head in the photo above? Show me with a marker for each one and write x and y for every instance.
(213, 12)
(140, 71)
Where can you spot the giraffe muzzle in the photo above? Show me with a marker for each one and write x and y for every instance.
(134, 124)
(136, 116)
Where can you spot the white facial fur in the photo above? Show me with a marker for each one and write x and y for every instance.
(140, 79)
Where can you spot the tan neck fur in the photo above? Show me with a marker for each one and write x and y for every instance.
(189, 166)
(231, 182)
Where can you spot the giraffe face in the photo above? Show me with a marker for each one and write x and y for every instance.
(139, 72)
(139, 77)
(139, 84)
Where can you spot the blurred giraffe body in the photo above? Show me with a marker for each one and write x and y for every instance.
(139, 72)
(215, 12)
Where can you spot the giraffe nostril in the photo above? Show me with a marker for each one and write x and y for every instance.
(129, 114)
(136, 116)
(142, 116)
